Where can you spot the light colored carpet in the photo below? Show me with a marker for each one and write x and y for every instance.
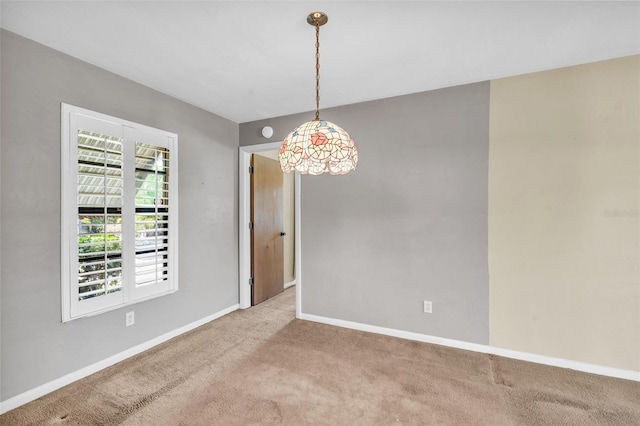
(261, 366)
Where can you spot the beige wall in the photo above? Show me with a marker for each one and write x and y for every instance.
(563, 213)
(288, 219)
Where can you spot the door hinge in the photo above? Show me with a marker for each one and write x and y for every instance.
(250, 169)
(251, 281)
(250, 225)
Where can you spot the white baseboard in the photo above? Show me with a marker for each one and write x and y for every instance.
(289, 284)
(507, 353)
(46, 388)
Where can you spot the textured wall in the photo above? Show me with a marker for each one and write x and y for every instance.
(563, 213)
(36, 346)
(409, 224)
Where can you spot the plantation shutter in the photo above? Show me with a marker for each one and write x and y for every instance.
(152, 215)
(119, 225)
(99, 201)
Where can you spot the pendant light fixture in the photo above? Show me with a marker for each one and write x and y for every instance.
(318, 146)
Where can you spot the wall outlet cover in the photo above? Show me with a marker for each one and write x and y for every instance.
(130, 318)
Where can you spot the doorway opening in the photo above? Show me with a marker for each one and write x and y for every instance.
(245, 258)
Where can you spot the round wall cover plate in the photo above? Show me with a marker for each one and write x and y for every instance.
(267, 132)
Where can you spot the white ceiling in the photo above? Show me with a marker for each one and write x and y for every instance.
(248, 60)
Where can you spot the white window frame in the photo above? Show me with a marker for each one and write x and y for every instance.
(72, 119)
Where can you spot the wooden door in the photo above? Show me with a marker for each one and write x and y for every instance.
(267, 253)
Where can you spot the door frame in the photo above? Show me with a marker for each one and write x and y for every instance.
(244, 217)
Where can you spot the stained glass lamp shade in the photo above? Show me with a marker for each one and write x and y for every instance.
(317, 147)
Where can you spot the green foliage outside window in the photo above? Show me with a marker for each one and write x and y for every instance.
(93, 241)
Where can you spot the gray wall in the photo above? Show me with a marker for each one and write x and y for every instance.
(409, 224)
(36, 347)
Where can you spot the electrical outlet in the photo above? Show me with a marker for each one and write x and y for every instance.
(428, 307)
(130, 318)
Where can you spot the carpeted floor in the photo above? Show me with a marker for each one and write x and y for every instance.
(261, 366)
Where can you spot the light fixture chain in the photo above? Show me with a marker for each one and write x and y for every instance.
(317, 71)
